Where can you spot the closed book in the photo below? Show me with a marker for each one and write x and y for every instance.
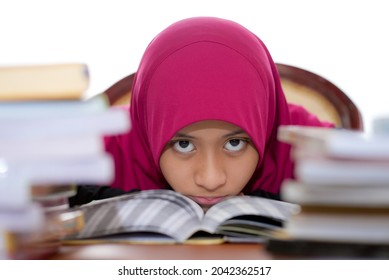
(43, 82)
(4, 244)
(51, 148)
(29, 246)
(112, 121)
(97, 169)
(49, 192)
(53, 197)
(14, 192)
(342, 172)
(335, 195)
(336, 143)
(53, 109)
(29, 218)
(355, 225)
(43, 242)
(54, 204)
(381, 125)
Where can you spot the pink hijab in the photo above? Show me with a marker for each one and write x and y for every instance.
(205, 69)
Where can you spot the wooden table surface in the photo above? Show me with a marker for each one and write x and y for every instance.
(162, 252)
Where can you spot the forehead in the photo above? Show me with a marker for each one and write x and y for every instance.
(207, 125)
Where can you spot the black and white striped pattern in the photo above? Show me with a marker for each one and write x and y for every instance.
(169, 213)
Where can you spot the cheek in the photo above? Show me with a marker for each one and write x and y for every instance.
(241, 170)
(175, 172)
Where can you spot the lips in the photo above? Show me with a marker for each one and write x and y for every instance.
(206, 200)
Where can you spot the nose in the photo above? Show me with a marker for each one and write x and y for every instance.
(210, 173)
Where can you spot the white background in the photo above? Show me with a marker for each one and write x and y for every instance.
(280, 269)
(344, 41)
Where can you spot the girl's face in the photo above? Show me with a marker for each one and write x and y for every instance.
(209, 161)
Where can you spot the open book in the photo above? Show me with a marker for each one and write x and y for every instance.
(171, 214)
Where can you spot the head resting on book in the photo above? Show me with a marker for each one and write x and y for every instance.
(202, 69)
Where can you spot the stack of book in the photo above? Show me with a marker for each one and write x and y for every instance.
(51, 138)
(342, 185)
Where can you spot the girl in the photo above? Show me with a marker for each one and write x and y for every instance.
(205, 107)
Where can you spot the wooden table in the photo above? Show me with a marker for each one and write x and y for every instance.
(163, 252)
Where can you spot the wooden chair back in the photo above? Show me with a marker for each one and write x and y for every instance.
(319, 96)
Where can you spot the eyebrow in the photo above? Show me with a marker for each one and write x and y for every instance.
(240, 131)
(183, 135)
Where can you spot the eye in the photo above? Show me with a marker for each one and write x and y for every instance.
(183, 146)
(235, 145)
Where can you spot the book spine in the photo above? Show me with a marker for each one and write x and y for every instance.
(90, 170)
(48, 192)
(43, 82)
(27, 219)
(348, 145)
(327, 172)
(7, 245)
(335, 195)
(113, 121)
(14, 192)
(52, 109)
(55, 148)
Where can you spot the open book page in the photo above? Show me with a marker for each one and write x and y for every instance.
(221, 213)
(161, 211)
(146, 238)
(172, 214)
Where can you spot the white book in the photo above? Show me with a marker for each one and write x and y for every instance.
(339, 227)
(52, 109)
(337, 172)
(337, 143)
(27, 219)
(112, 121)
(3, 245)
(335, 195)
(51, 148)
(15, 192)
(381, 125)
(90, 170)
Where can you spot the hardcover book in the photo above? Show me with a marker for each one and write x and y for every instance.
(369, 195)
(341, 224)
(334, 143)
(111, 121)
(342, 172)
(47, 109)
(43, 82)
